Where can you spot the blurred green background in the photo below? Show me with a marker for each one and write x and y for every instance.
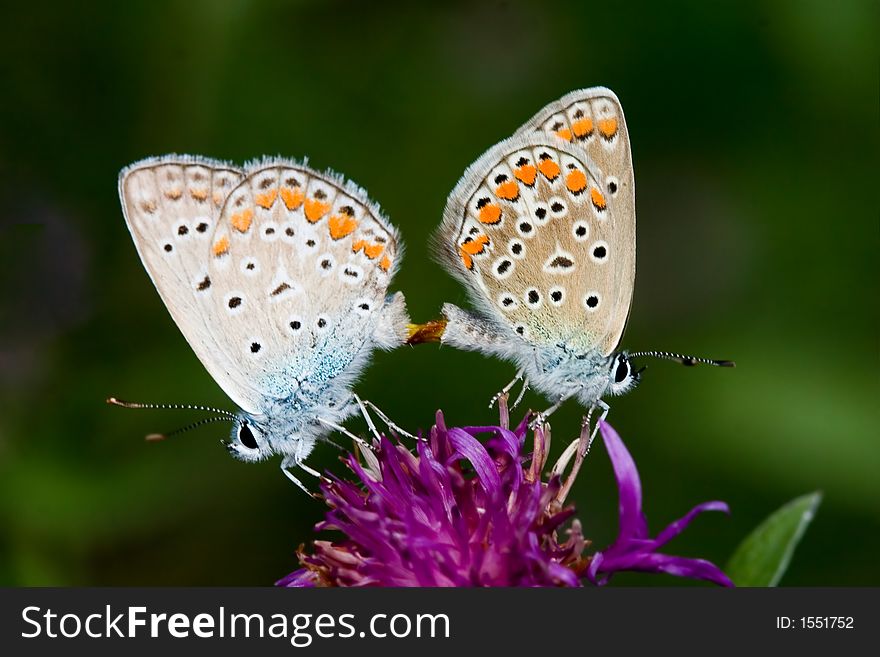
(755, 135)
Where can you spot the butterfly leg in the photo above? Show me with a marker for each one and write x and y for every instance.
(309, 470)
(341, 429)
(364, 403)
(522, 393)
(605, 408)
(369, 420)
(541, 418)
(575, 447)
(508, 388)
(290, 462)
(578, 448)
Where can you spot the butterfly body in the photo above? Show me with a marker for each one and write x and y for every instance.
(277, 276)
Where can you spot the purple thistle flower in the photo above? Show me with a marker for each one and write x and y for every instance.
(634, 549)
(461, 512)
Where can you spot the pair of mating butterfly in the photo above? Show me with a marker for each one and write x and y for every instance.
(277, 274)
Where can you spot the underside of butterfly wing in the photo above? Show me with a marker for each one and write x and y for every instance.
(299, 269)
(538, 241)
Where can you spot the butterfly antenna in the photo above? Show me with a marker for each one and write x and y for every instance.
(156, 437)
(689, 361)
(113, 401)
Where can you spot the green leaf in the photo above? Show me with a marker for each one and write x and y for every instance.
(763, 556)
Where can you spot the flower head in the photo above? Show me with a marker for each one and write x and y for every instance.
(462, 512)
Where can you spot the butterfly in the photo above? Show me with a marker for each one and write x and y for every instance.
(541, 230)
(277, 276)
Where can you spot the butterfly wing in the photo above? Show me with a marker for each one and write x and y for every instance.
(299, 268)
(593, 121)
(172, 206)
(539, 241)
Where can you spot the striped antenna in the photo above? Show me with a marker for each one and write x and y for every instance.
(156, 437)
(689, 361)
(186, 407)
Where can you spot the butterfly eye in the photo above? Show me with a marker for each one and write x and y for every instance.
(622, 371)
(624, 378)
(246, 436)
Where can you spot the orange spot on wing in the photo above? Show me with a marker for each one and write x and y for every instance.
(199, 194)
(341, 225)
(608, 127)
(385, 264)
(174, 194)
(490, 214)
(218, 199)
(241, 221)
(526, 174)
(508, 190)
(221, 246)
(266, 200)
(597, 198)
(316, 209)
(549, 168)
(476, 245)
(373, 251)
(582, 127)
(576, 181)
(466, 260)
(293, 198)
(565, 134)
